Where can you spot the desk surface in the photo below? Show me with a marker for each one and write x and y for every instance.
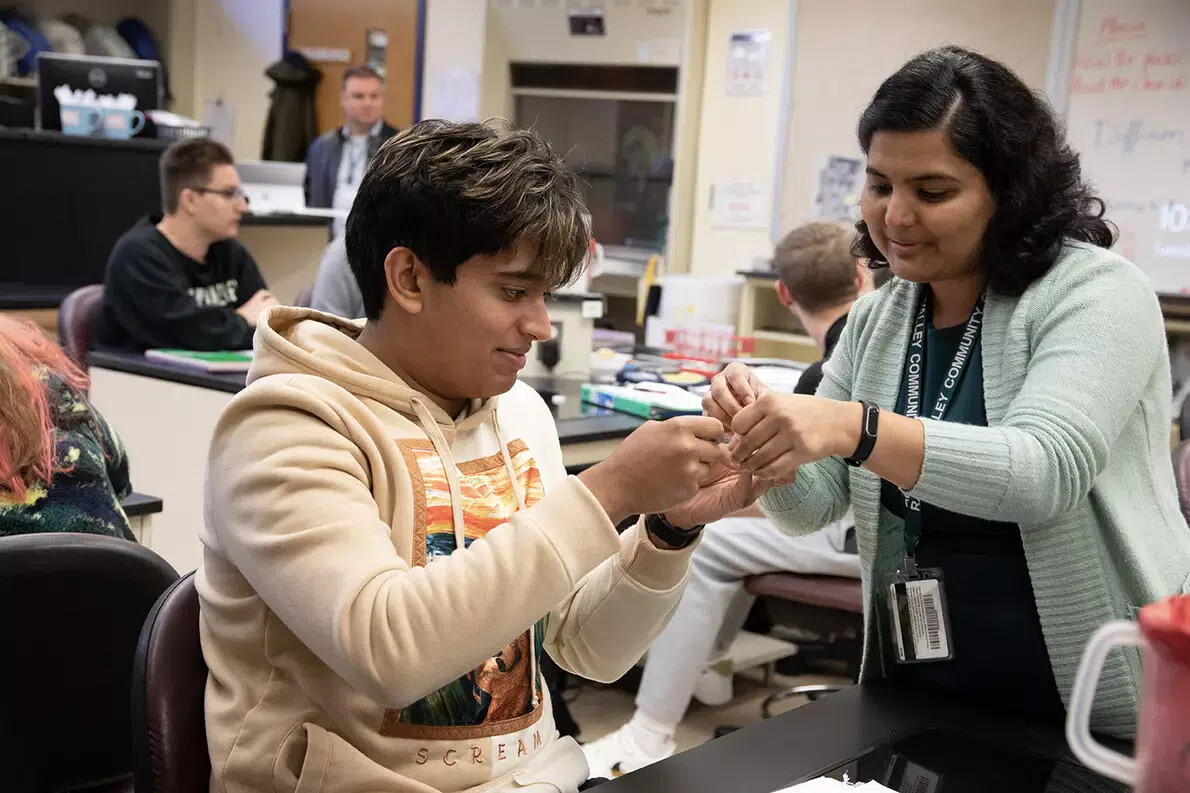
(286, 219)
(577, 422)
(968, 751)
(138, 505)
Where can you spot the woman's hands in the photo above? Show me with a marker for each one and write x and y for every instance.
(775, 433)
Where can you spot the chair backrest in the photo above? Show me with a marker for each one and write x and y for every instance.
(71, 610)
(1181, 474)
(76, 318)
(1184, 421)
(825, 591)
(169, 683)
(305, 297)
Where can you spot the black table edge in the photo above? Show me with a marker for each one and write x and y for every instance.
(137, 505)
(285, 219)
(581, 429)
(134, 363)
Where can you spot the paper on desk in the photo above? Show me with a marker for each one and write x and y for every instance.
(826, 785)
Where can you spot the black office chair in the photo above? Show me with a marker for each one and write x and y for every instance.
(168, 684)
(76, 320)
(1184, 421)
(832, 602)
(71, 609)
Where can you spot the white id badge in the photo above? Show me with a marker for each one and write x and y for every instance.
(920, 622)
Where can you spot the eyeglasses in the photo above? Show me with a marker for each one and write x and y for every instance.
(230, 193)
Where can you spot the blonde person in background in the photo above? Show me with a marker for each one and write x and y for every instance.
(818, 280)
(1004, 405)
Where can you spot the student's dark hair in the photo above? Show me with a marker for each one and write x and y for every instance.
(996, 123)
(188, 163)
(449, 191)
(361, 71)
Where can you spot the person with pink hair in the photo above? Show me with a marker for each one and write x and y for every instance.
(62, 468)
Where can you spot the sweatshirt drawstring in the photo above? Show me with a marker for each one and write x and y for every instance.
(430, 425)
(520, 505)
(516, 484)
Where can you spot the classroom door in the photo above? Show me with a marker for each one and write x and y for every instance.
(328, 29)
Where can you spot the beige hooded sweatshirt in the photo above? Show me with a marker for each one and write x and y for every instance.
(352, 645)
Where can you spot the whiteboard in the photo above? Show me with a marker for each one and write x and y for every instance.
(1129, 118)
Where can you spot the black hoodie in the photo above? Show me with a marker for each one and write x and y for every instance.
(156, 296)
(292, 124)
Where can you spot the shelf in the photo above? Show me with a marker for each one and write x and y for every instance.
(20, 82)
(784, 337)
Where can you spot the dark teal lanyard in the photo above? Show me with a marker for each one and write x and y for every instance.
(915, 362)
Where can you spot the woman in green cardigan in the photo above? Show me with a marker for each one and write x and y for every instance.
(1003, 406)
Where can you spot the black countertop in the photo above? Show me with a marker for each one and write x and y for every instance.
(577, 422)
(138, 505)
(877, 732)
(769, 274)
(54, 138)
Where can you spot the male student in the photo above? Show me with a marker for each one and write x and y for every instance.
(181, 279)
(336, 161)
(391, 538)
(818, 280)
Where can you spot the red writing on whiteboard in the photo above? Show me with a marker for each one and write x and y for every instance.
(1154, 86)
(1115, 85)
(1114, 29)
(1164, 59)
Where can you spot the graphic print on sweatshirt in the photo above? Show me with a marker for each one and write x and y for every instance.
(215, 295)
(501, 695)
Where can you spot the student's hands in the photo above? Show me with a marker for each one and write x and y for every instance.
(255, 306)
(659, 466)
(733, 389)
(725, 491)
(778, 432)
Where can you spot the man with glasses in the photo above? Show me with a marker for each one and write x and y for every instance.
(181, 279)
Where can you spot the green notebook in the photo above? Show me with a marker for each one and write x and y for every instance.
(215, 361)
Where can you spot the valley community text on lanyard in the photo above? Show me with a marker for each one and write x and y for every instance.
(915, 367)
(919, 619)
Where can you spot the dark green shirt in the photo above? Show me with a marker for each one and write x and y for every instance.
(1000, 657)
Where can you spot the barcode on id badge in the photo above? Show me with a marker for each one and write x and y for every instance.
(933, 622)
(925, 609)
(918, 780)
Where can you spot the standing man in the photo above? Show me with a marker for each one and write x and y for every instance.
(181, 279)
(336, 161)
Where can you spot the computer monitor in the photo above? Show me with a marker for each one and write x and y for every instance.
(140, 78)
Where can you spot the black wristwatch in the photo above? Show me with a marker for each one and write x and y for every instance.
(867, 434)
(670, 534)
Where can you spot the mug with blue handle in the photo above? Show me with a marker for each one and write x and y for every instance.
(123, 124)
(79, 120)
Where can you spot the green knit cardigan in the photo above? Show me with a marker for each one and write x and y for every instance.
(1077, 391)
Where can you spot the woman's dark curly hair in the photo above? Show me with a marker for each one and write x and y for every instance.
(1009, 133)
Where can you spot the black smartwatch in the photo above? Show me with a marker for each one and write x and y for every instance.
(867, 434)
(670, 534)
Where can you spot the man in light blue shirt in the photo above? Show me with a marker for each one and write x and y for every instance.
(335, 290)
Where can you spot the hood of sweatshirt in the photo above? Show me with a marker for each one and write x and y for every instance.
(303, 341)
(293, 340)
